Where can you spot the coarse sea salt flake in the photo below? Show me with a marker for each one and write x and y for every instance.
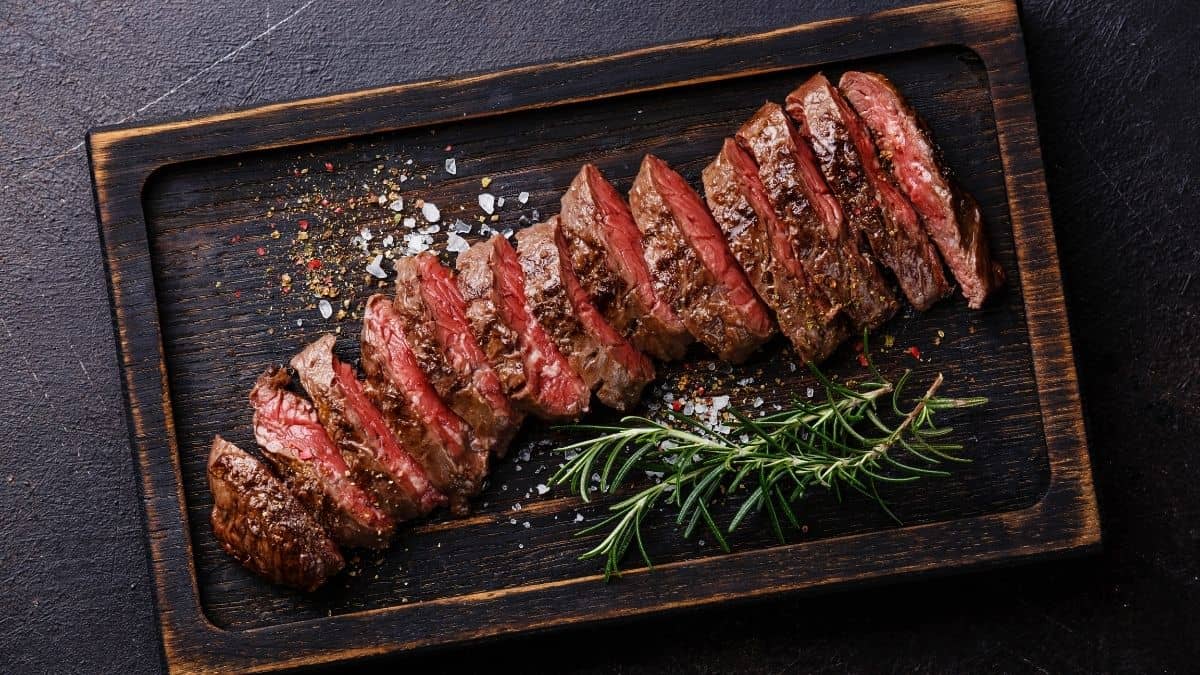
(456, 244)
(375, 268)
(542, 489)
(499, 202)
(487, 202)
(325, 308)
(460, 227)
(397, 204)
(410, 222)
(366, 234)
(523, 197)
(757, 402)
(579, 517)
(451, 166)
(430, 211)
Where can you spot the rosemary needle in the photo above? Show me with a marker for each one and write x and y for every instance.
(841, 443)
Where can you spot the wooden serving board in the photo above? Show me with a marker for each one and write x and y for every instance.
(187, 209)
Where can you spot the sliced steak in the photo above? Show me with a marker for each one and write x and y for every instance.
(606, 361)
(417, 416)
(493, 285)
(763, 247)
(692, 267)
(605, 247)
(873, 205)
(950, 214)
(434, 317)
(264, 527)
(376, 460)
(802, 202)
(287, 428)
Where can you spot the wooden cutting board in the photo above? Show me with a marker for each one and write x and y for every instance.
(188, 209)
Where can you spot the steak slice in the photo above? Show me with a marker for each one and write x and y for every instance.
(493, 285)
(434, 317)
(803, 203)
(950, 214)
(287, 428)
(692, 267)
(377, 462)
(605, 247)
(877, 211)
(606, 361)
(416, 415)
(762, 246)
(264, 527)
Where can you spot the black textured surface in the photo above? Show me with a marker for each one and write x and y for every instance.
(1113, 86)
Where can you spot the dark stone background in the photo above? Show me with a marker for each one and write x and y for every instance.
(1115, 85)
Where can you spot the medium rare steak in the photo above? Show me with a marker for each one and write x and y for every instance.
(763, 247)
(413, 410)
(951, 216)
(263, 526)
(376, 460)
(605, 247)
(873, 205)
(606, 361)
(692, 267)
(538, 375)
(287, 428)
(434, 317)
(803, 203)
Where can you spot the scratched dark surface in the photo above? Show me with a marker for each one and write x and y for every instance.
(1112, 88)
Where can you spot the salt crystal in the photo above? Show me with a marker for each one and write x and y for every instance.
(366, 234)
(535, 214)
(757, 402)
(520, 545)
(410, 222)
(375, 268)
(383, 200)
(745, 381)
(499, 202)
(809, 392)
(487, 202)
(512, 521)
(523, 197)
(688, 409)
(397, 204)
(719, 403)
(525, 524)
(460, 227)
(430, 211)
(456, 244)
(325, 308)
(300, 322)
(451, 166)
(408, 162)
(579, 517)
(792, 366)
(403, 178)
(542, 489)
(389, 240)
(507, 234)
(655, 475)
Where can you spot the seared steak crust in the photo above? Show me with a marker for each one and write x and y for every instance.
(416, 415)
(605, 248)
(436, 329)
(500, 343)
(288, 430)
(691, 266)
(873, 206)
(553, 390)
(762, 246)
(606, 362)
(356, 426)
(802, 201)
(951, 215)
(263, 526)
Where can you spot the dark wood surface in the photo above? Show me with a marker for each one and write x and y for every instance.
(1057, 617)
(189, 208)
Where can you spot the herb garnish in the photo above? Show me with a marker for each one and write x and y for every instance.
(774, 460)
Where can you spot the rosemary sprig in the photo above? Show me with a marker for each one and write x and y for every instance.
(771, 462)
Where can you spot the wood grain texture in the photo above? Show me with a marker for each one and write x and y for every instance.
(168, 195)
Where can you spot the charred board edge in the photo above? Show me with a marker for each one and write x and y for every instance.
(123, 158)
